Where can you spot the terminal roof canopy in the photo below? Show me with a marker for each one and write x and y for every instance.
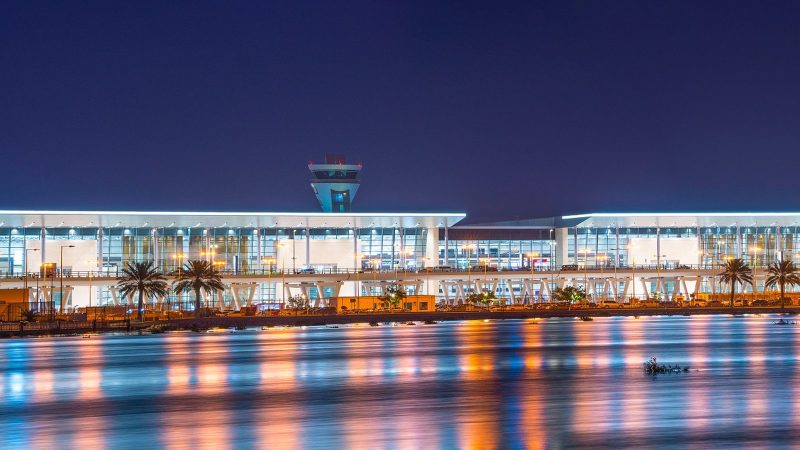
(160, 219)
(718, 219)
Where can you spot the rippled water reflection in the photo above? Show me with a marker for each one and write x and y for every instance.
(500, 384)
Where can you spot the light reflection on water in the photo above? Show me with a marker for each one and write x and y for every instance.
(500, 384)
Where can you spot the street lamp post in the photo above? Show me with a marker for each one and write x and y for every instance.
(61, 272)
(359, 258)
(585, 252)
(25, 284)
(428, 263)
(178, 257)
(43, 268)
(632, 256)
(531, 257)
(376, 263)
(268, 262)
(281, 245)
(698, 283)
(755, 249)
(659, 284)
(602, 258)
(485, 262)
(633, 277)
(212, 304)
(468, 248)
(90, 288)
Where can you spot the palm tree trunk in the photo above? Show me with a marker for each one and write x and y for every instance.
(782, 290)
(141, 306)
(733, 292)
(197, 302)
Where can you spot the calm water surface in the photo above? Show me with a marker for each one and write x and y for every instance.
(558, 383)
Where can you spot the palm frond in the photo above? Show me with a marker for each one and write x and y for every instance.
(198, 276)
(736, 271)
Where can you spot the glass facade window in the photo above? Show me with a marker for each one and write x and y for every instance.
(499, 254)
(389, 248)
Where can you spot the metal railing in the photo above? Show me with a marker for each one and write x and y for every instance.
(81, 274)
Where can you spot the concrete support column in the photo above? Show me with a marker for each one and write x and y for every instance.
(207, 240)
(562, 247)
(446, 247)
(258, 248)
(699, 247)
(575, 247)
(658, 246)
(356, 256)
(738, 241)
(402, 248)
(99, 264)
(294, 251)
(616, 258)
(778, 244)
(154, 236)
(308, 247)
(43, 242)
(432, 247)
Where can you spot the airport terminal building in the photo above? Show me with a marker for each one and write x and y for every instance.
(266, 256)
(242, 243)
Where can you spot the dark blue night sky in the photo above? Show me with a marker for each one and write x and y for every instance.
(498, 109)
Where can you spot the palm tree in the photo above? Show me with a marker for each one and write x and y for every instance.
(782, 273)
(143, 278)
(736, 271)
(198, 275)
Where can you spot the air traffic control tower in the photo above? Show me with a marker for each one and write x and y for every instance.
(334, 182)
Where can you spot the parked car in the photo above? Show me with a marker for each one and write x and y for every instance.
(610, 304)
(462, 308)
(559, 305)
(517, 307)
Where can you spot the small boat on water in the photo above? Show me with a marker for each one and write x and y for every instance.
(410, 323)
(586, 318)
(374, 324)
(784, 322)
(430, 322)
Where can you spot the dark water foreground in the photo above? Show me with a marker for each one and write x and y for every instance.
(559, 383)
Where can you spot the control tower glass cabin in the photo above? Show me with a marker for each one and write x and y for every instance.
(335, 183)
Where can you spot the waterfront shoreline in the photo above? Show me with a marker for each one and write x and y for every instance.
(346, 319)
